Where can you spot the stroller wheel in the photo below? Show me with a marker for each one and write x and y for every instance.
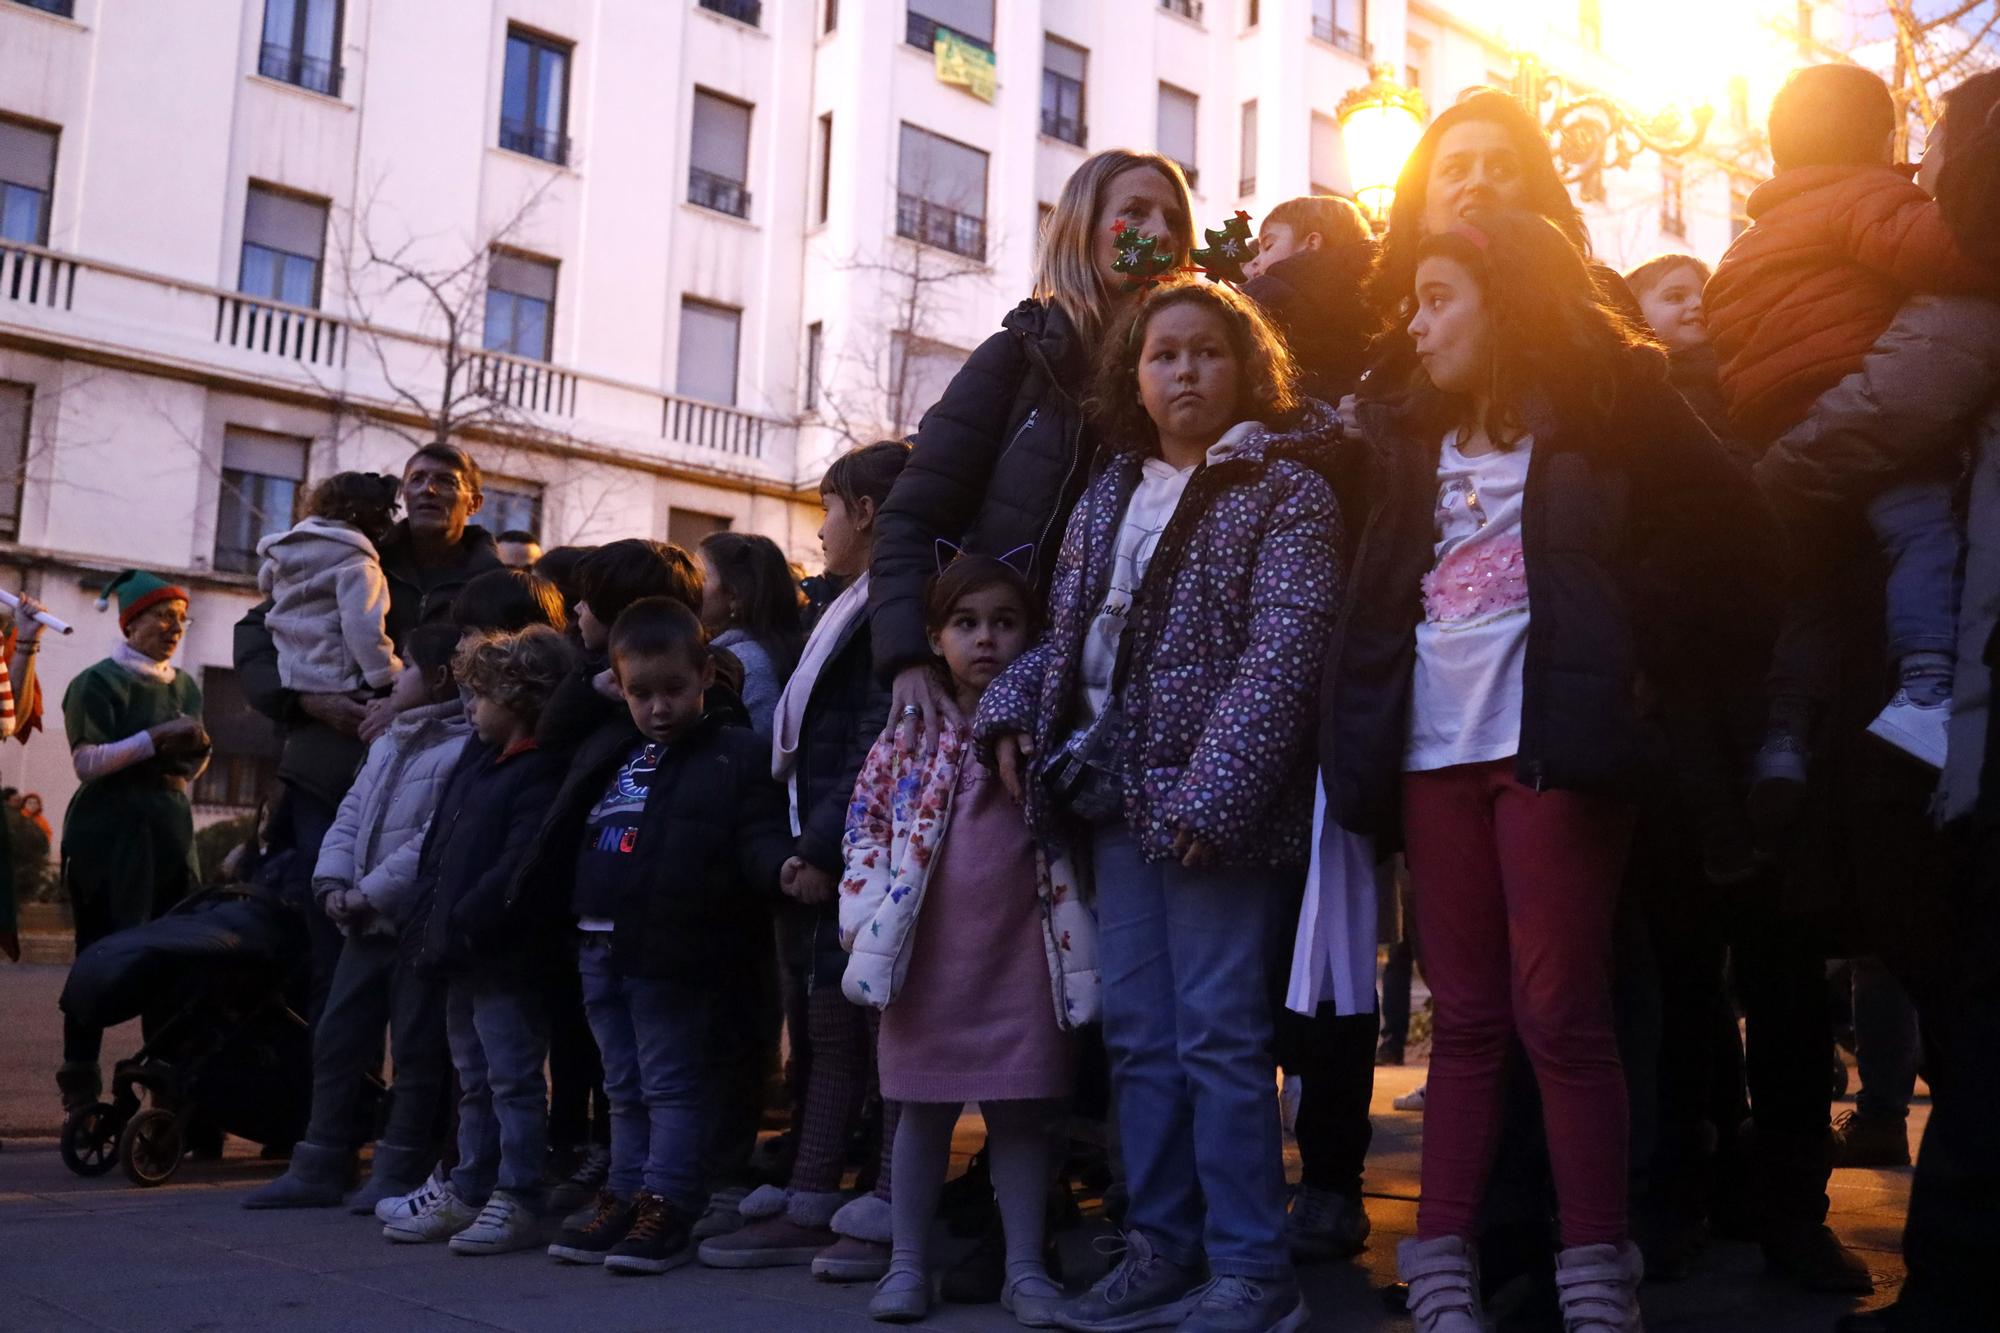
(90, 1139)
(150, 1146)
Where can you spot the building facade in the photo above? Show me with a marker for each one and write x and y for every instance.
(653, 261)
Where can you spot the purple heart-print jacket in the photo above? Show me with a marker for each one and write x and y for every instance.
(1220, 695)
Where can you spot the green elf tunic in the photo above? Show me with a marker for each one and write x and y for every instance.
(128, 839)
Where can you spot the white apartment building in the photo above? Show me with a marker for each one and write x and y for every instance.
(654, 261)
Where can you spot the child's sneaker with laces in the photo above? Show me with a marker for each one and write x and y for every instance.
(1916, 726)
(505, 1224)
(590, 1242)
(579, 1190)
(441, 1218)
(402, 1207)
(1248, 1305)
(658, 1239)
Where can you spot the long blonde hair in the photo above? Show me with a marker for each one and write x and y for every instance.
(1066, 273)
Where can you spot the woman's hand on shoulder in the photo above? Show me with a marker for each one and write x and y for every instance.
(919, 696)
(1349, 412)
(1195, 852)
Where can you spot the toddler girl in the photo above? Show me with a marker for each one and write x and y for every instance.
(1166, 719)
(962, 940)
(329, 597)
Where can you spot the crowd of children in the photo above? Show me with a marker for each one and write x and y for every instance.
(1183, 598)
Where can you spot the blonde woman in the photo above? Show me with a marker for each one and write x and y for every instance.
(1001, 459)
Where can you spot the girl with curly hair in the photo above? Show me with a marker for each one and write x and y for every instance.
(1162, 725)
(1553, 548)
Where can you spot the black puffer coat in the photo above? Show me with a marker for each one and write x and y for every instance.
(846, 712)
(999, 463)
(712, 838)
(1646, 549)
(1315, 300)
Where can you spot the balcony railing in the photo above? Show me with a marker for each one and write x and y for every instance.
(1246, 186)
(922, 30)
(287, 65)
(518, 136)
(37, 277)
(918, 219)
(1187, 9)
(743, 11)
(718, 192)
(1326, 30)
(149, 317)
(1058, 126)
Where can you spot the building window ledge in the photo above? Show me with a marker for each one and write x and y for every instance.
(717, 215)
(317, 99)
(731, 22)
(529, 159)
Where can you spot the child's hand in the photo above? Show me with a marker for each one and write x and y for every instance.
(1195, 852)
(331, 893)
(1010, 754)
(605, 683)
(1349, 413)
(376, 717)
(804, 882)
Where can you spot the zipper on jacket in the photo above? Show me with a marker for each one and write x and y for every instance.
(1075, 456)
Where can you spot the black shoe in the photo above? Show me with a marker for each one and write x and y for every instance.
(1872, 1141)
(659, 1239)
(591, 1241)
(1813, 1257)
(1390, 1052)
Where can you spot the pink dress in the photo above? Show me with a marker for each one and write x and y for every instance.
(975, 1019)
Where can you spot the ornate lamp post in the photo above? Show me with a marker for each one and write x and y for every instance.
(1592, 133)
(1380, 122)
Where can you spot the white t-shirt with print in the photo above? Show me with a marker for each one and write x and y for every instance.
(1465, 700)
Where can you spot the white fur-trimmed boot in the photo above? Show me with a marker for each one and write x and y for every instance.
(862, 1252)
(1599, 1288)
(1444, 1285)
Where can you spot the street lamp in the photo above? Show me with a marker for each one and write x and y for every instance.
(1591, 133)
(1380, 122)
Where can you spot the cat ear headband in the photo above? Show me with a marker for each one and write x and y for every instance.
(1021, 559)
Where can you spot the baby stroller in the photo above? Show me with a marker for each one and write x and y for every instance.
(217, 982)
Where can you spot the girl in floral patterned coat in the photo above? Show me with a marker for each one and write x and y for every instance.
(962, 940)
(1164, 727)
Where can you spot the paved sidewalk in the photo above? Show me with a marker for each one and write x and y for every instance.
(99, 1254)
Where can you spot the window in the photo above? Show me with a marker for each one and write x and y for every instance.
(16, 400)
(284, 239)
(919, 371)
(1043, 213)
(62, 7)
(1177, 128)
(832, 16)
(968, 18)
(511, 506)
(1343, 23)
(1673, 216)
(302, 43)
(719, 162)
(1246, 180)
(1590, 25)
(1416, 62)
(534, 97)
(688, 528)
(27, 177)
(520, 305)
(1187, 9)
(243, 769)
(1062, 90)
(941, 193)
(709, 334)
(1739, 208)
(743, 11)
(1250, 21)
(1329, 167)
(261, 476)
(823, 199)
(815, 349)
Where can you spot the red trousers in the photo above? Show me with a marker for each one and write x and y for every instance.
(1515, 891)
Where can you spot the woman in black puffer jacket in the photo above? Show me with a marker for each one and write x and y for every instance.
(1001, 459)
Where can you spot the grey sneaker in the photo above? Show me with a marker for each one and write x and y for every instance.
(443, 1217)
(1325, 1224)
(504, 1225)
(1144, 1290)
(403, 1207)
(1248, 1305)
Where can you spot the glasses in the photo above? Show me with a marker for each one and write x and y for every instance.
(443, 483)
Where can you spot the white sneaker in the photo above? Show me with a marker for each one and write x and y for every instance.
(503, 1225)
(1412, 1100)
(1918, 730)
(440, 1219)
(402, 1207)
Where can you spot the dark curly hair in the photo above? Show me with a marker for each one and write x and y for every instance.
(361, 500)
(1269, 377)
(517, 671)
(1556, 344)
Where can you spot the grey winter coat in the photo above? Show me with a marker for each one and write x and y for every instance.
(1931, 382)
(376, 838)
(329, 608)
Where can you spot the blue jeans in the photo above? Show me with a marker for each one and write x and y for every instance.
(1913, 521)
(1187, 1023)
(370, 988)
(650, 1033)
(499, 1033)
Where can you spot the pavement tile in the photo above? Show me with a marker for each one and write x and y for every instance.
(25, 1314)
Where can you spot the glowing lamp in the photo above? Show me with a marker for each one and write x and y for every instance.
(1380, 122)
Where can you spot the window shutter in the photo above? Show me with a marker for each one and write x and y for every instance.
(1177, 124)
(721, 137)
(284, 222)
(522, 276)
(27, 155)
(267, 455)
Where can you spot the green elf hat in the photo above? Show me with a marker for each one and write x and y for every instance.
(136, 590)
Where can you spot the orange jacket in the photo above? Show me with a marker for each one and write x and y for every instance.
(1832, 254)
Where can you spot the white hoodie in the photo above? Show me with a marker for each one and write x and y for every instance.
(329, 607)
